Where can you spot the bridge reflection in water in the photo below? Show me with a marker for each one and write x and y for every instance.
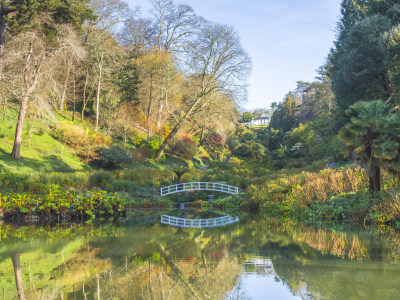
(198, 223)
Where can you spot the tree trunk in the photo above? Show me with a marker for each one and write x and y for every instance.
(18, 275)
(4, 108)
(138, 126)
(2, 44)
(125, 135)
(159, 117)
(98, 286)
(16, 152)
(167, 140)
(177, 276)
(84, 95)
(374, 175)
(150, 282)
(176, 128)
(3, 11)
(149, 108)
(98, 97)
(387, 86)
(64, 92)
(74, 108)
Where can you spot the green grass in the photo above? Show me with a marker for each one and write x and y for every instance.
(44, 152)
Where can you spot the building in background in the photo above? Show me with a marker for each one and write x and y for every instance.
(261, 121)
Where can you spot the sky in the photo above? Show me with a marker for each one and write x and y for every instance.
(288, 40)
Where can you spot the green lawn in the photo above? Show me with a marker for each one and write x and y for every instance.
(44, 152)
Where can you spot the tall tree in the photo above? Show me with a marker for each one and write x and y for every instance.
(138, 35)
(285, 117)
(109, 14)
(391, 44)
(359, 70)
(104, 58)
(174, 24)
(361, 63)
(36, 28)
(35, 56)
(318, 97)
(3, 12)
(156, 71)
(99, 37)
(216, 63)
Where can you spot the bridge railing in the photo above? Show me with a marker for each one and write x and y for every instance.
(199, 186)
(198, 223)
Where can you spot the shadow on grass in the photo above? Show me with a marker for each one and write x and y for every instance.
(46, 163)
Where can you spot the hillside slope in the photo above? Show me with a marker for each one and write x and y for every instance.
(40, 151)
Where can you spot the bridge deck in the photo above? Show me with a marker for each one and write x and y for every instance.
(199, 186)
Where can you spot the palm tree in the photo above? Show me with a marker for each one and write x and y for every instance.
(373, 134)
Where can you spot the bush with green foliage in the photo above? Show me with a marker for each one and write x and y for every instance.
(152, 147)
(303, 134)
(247, 117)
(249, 136)
(75, 205)
(100, 179)
(250, 149)
(71, 134)
(214, 144)
(184, 147)
(271, 138)
(113, 158)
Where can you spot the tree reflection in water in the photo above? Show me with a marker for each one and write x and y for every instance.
(160, 262)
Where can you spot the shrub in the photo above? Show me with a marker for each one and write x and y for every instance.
(120, 185)
(236, 161)
(114, 157)
(71, 134)
(152, 147)
(100, 179)
(249, 136)
(184, 147)
(148, 176)
(40, 132)
(251, 149)
(233, 142)
(137, 140)
(214, 144)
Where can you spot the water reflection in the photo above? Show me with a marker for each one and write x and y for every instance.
(198, 223)
(256, 258)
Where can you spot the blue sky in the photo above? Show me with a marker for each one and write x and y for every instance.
(286, 39)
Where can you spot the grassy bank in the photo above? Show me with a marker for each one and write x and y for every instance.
(51, 175)
(325, 194)
(40, 150)
(329, 195)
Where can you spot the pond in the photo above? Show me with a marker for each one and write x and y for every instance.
(254, 258)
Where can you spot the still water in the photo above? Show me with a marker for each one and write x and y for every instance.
(254, 258)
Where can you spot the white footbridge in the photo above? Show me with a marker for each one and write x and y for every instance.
(198, 223)
(199, 186)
